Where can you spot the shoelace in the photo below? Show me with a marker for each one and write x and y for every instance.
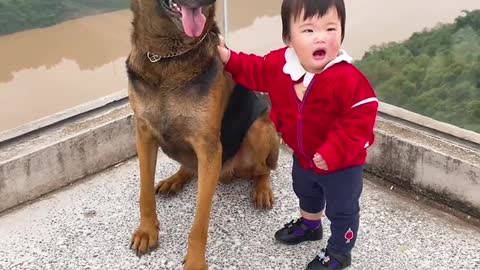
(292, 224)
(325, 259)
(323, 255)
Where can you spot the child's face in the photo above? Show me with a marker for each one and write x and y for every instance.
(316, 40)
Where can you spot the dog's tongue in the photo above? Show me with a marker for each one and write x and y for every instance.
(193, 21)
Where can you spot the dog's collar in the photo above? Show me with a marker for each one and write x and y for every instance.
(155, 57)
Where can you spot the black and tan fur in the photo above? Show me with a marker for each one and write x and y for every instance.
(178, 104)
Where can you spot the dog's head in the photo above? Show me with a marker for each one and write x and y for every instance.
(192, 17)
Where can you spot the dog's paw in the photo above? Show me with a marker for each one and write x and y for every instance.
(169, 187)
(262, 198)
(194, 263)
(144, 239)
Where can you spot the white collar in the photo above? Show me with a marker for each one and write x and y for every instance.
(293, 67)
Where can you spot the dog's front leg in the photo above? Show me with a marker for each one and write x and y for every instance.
(209, 157)
(146, 236)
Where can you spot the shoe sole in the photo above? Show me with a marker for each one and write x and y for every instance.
(293, 244)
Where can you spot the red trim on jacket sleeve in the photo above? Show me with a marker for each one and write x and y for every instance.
(352, 132)
(248, 70)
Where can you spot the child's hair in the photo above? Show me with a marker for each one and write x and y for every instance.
(312, 8)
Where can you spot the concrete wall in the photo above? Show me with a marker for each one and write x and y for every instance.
(443, 171)
(428, 157)
(39, 163)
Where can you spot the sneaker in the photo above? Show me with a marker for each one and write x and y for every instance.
(329, 261)
(287, 236)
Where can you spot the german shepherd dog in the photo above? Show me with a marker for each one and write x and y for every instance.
(184, 103)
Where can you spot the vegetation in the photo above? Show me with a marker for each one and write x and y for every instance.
(20, 15)
(435, 73)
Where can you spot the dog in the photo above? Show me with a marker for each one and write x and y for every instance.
(184, 103)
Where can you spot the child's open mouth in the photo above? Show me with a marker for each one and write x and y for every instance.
(319, 54)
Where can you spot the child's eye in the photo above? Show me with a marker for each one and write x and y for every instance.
(307, 31)
(331, 29)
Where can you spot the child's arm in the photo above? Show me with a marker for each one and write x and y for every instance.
(353, 131)
(246, 69)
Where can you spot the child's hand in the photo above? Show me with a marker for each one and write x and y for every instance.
(320, 162)
(222, 50)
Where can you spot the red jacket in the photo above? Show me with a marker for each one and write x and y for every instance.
(335, 118)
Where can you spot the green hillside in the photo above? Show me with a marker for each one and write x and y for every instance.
(20, 15)
(435, 73)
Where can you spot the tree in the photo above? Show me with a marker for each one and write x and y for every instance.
(435, 72)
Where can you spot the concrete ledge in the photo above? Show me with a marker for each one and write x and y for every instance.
(441, 162)
(441, 130)
(441, 170)
(61, 116)
(43, 161)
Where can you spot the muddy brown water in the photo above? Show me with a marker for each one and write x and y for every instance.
(44, 71)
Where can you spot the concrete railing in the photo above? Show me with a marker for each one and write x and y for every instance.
(426, 156)
(41, 161)
(432, 158)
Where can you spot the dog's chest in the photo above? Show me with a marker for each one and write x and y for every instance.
(171, 118)
(172, 125)
(177, 111)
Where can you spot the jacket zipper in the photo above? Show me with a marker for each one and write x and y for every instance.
(300, 105)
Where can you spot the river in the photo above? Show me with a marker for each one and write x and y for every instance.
(47, 70)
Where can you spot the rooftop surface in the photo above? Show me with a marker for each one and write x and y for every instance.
(88, 226)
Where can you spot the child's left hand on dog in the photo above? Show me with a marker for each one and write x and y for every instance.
(223, 51)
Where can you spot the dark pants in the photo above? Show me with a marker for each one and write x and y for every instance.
(340, 191)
